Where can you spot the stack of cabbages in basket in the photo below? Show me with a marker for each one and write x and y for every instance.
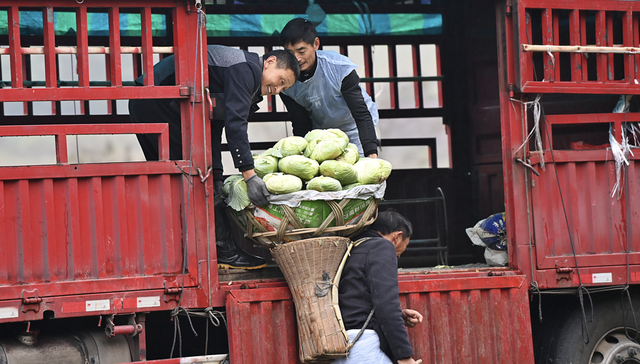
(320, 179)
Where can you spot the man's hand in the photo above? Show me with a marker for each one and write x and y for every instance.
(409, 361)
(373, 155)
(257, 190)
(411, 317)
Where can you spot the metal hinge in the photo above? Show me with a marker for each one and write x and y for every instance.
(31, 300)
(562, 268)
(509, 8)
(171, 293)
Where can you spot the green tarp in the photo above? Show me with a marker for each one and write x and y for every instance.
(241, 25)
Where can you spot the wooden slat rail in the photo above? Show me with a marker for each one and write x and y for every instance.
(60, 133)
(14, 89)
(607, 78)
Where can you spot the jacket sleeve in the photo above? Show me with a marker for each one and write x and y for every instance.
(300, 119)
(239, 87)
(352, 94)
(382, 273)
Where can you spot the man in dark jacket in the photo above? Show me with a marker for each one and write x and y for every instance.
(237, 79)
(369, 282)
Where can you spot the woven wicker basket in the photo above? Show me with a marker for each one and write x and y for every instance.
(312, 268)
(255, 231)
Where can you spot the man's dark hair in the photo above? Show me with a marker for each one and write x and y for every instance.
(296, 30)
(390, 221)
(285, 59)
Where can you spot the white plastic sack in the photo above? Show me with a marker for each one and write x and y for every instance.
(495, 258)
(360, 192)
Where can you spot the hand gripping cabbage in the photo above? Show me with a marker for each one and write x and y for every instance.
(280, 184)
(324, 184)
(372, 170)
(342, 171)
(292, 145)
(300, 166)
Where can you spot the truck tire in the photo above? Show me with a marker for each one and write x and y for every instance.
(560, 339)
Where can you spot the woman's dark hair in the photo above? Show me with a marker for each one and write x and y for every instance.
(285, 59)
(389, 221)
(296, 30)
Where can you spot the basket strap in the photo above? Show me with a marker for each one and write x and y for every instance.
(364, 327)
(366, 322)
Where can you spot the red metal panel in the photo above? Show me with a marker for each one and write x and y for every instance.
(470, 317)
(597, 221)
(87, 228)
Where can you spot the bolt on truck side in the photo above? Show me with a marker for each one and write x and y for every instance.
(114, 261)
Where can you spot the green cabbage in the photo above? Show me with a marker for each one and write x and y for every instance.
(292, 145)
(273, 152)
(264, 164)
(372, 170)
(327, 134)
(279, 183)
(323, 149)
(342, 171)
(300, 166)
(324, 184)
(235, 189)
(350, 186)
(350, 155)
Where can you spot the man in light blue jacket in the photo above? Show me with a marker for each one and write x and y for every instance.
(328, 93)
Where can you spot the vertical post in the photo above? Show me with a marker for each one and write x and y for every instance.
(50, 67)
(524, 34)
(393, 86)
(550, 62)
(15, 52)
(636, 43)
(368, 70)
(583, 41)
(83, 46)
(417, 72)
(574, 39)
(181, 60)
(610, 69)
(147, 46)
(628, 40)
(601, 41)
(15, 49)
(62, 154)
(115, 59)
(439, 73)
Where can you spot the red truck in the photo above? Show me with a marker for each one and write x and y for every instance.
(113, 262)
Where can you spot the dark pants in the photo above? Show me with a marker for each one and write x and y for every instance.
(168, 111)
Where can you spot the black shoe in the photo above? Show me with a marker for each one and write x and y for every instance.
(238, 259)
(230, 255)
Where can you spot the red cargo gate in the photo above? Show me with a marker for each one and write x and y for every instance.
(582, 215)
(470, 316)
(109, 238)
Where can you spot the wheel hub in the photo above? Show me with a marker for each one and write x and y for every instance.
(615, 348)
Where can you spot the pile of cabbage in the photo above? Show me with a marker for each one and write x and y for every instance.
(323, 160)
